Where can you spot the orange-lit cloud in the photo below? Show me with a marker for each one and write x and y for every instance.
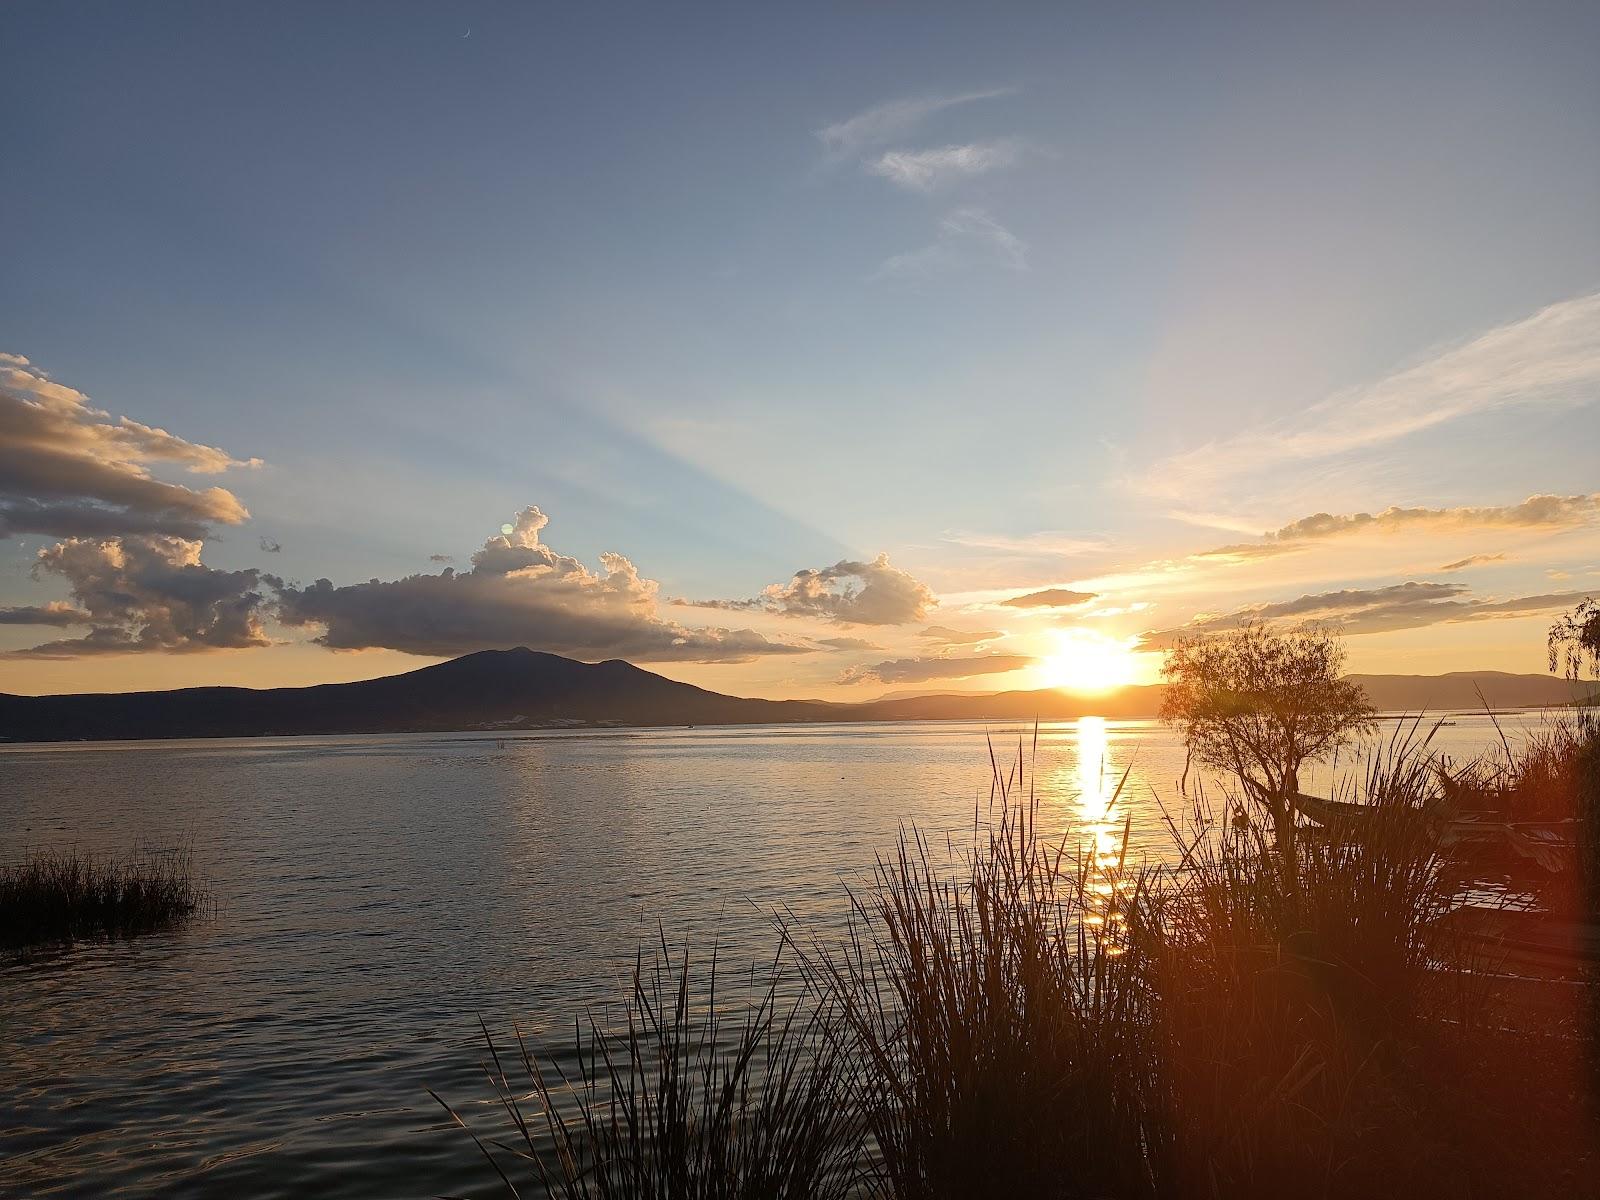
(849, 593)
(1397, 606)
(518, 592)
(145, 592)
(68, 470)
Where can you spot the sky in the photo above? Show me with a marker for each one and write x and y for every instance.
(829, 351)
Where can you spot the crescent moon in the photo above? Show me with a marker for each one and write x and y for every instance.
(468, 33)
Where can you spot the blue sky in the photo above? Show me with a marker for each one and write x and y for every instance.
(1025, 297)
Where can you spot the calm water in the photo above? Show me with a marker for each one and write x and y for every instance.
(377, 895)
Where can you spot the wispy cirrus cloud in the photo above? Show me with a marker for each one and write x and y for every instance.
(967, 237)
(1386, 609)
(1472, 560)
(920, 670)
(927, 170)
(943, 635)
(1551, 358)
(1046, 543)
(848, 644)
(1536, 512)
(882, 123)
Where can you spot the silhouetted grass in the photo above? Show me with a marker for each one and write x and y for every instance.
(683, 1102)
(1284, 1015)
(993, 1016)
(1005, 1016)
(66, 896)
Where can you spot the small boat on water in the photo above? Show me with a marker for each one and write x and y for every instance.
(1552, 845)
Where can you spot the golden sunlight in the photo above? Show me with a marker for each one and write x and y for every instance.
(1086, 661)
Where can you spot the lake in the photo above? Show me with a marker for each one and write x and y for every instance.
(376, 896)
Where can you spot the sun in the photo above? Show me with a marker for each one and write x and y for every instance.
(1086, 661)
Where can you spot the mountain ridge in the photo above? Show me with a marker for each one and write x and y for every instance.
(523, 688)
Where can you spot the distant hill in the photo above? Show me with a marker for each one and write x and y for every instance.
(1467, 691)
(521, 688)
(493, 688)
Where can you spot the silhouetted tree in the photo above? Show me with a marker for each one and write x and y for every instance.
(1260, 703)
(1575, 641)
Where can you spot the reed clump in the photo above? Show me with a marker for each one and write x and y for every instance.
(72, 895)
(993, 1014)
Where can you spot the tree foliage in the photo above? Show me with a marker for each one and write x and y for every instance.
(1575, 641)
(1260, 703)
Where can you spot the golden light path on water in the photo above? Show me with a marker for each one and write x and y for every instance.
(1099, 817)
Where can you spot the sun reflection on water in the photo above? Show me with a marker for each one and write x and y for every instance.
(1100, 819)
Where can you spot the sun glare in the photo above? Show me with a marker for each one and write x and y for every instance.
(1085, 661)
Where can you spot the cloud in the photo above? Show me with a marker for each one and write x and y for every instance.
(881, 124)
(270, 545)
(1372, 610)
(1051, 598)
(1472, 560)
(1551, 358)
(926, 170)
(441, 558)
(56, 612)
(967, 237)
(148, 592)
(1540, 511)
(518, 592)
(946, 636)
(920, 670)
(68, 470)
(849, 593)
(848, 643)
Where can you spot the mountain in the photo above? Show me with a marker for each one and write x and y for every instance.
(505, 688)
(1468, 691)
(521, 688)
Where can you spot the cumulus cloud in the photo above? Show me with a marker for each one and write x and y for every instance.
(1372, 610)
(1541, 511)
(920, 670)
(925, 170)
(1472, 560)
(1051, 598)
(849, 593)
(517, 592)
(147, 592)
(967, 237)
(1550, 359)
(68, 470)
(882, 123)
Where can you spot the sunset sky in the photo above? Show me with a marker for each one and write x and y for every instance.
(820, 351)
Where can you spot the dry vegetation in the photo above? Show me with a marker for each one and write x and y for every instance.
(65, 897)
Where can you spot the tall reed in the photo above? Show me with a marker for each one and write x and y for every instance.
(993, 1016)
(682, 1102)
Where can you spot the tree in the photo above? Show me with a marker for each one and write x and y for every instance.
(1261, 703)
(1575, 641)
